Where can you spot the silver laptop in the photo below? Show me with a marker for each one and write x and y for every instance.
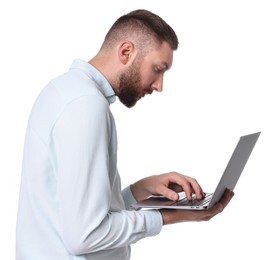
(228, 180)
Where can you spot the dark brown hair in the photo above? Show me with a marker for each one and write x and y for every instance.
(144, 26)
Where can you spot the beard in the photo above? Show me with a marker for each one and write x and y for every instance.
(130, 88)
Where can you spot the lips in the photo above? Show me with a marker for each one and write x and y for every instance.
(145, 93)
(149, 92)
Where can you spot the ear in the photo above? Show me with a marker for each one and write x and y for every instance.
(125, 52)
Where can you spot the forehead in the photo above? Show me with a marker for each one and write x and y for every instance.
(162, 55)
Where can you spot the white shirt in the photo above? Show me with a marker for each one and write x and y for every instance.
(71, 205)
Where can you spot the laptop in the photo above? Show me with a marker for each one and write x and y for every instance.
(228, 180)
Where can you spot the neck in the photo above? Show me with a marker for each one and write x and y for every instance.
(108, 69)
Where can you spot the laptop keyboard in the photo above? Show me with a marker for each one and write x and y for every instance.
(194, 201)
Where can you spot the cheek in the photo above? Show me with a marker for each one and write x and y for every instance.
(148, 77)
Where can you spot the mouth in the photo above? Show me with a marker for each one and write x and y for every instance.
(149, 92)
(145, 93)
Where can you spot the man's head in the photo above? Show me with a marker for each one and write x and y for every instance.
(144, 27)
(140, 46)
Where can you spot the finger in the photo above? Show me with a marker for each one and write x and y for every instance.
(196, 188)
(227, 196)
(177, 180)
(190, 186)
(219, 207)
(168, 193)
(175, 187)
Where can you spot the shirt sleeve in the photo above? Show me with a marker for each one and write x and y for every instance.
(128, 197)
(81, 139)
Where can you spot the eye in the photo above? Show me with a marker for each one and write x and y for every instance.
(158, 69)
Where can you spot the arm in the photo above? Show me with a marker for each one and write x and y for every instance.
(168, 185)
(88, 182)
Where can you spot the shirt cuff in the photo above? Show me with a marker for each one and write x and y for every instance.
(154, 222)
(153, 218)
(128, 197)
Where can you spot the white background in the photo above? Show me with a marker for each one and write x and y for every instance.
(220, 87)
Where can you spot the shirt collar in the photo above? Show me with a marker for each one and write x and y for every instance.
(97, 76)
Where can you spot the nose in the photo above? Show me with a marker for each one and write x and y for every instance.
(158, 84)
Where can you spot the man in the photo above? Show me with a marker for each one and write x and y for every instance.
(71, 205)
